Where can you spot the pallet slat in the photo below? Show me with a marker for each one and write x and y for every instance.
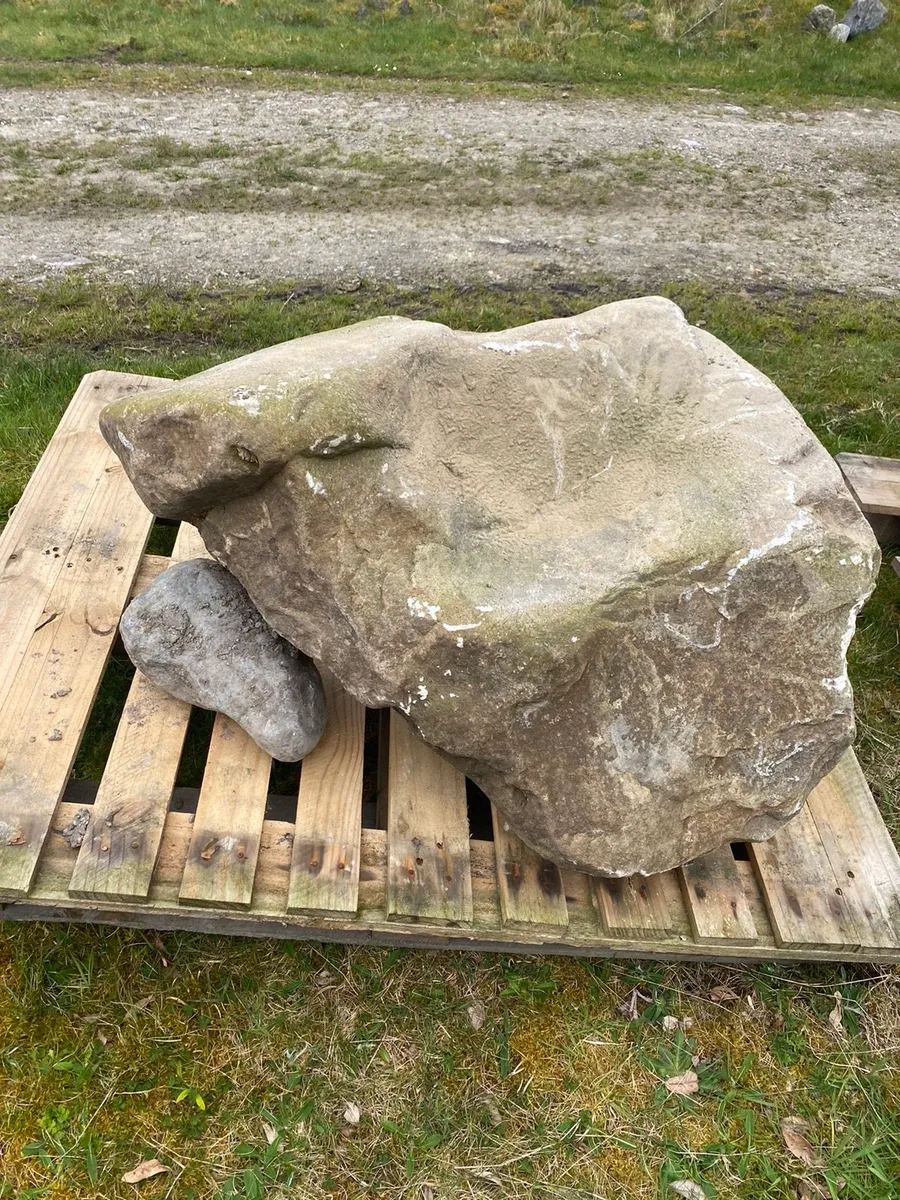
(531, 887)
(874, 481)
(806, 906)
(715, 900)
(119, 850)
(35, 545)
(49, 699)
(221, 861)
(637, 906)
(325, 856)
(429, 876)
(865, 865)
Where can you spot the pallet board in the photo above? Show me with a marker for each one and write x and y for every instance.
(826, 887)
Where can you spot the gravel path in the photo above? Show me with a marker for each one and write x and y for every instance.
(330, 188)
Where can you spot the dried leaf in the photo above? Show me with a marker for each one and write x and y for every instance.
(476, 1015)
(684, 1085)
(426, 1192)
(673, 1023)
(492, 1110)
(688, 1189)
(145, 1170)
(352, 1114)
(797, 1143)
(836, 1016)
(270, 1132)
(722, 993)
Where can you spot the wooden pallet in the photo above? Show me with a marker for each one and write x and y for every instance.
(827, 887)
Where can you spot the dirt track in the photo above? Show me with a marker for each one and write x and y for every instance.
(342, 186)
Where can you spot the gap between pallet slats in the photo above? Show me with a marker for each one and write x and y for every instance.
(325, 854)
(50, 698)
(429, 876)
(119, 850)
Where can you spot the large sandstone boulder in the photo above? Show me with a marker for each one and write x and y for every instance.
(600, 563)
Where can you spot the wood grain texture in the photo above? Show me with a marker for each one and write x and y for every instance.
(221, 861)
(48, 901)
(325, 856)
(805, 902)
(49, 698)
(874, 481)
(715, 900)
(861, 854)
(119, 850)
(429, 876)
(531, 888)
(37, 539)
(639, 906)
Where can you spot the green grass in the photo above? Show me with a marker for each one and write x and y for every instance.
(236, 1062)
(116, 1047)
(740, 47)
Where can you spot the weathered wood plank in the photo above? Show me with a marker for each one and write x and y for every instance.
(429, 876)
(874, 481)
(863, 858)
(221, 862)
(121, 844)
(49, 698)
(325, 857)
(531, 887)
(715, 900)
(805, 903)
(37, 539)
(267, 918)
(151, 567)
(638, 906)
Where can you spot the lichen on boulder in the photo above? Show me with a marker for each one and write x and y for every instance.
(599, 562)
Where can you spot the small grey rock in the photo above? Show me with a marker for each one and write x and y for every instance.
(73, 834)
(196, 634)
(636, 12)
(819, 19)
(864, 16)
(839, 33)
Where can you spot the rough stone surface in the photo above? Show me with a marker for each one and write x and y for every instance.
(864, 16)
(839, 33)
(195, 633)
(600, 562)
(819, 19)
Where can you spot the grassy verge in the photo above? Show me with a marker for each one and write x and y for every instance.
(263, 1069)
(242, 1064)
(739, 46)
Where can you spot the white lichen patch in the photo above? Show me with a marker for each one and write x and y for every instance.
(247, 399)
(124, 440)
(421, 608)
(522, 347)
(457, 628)
(316, 486)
